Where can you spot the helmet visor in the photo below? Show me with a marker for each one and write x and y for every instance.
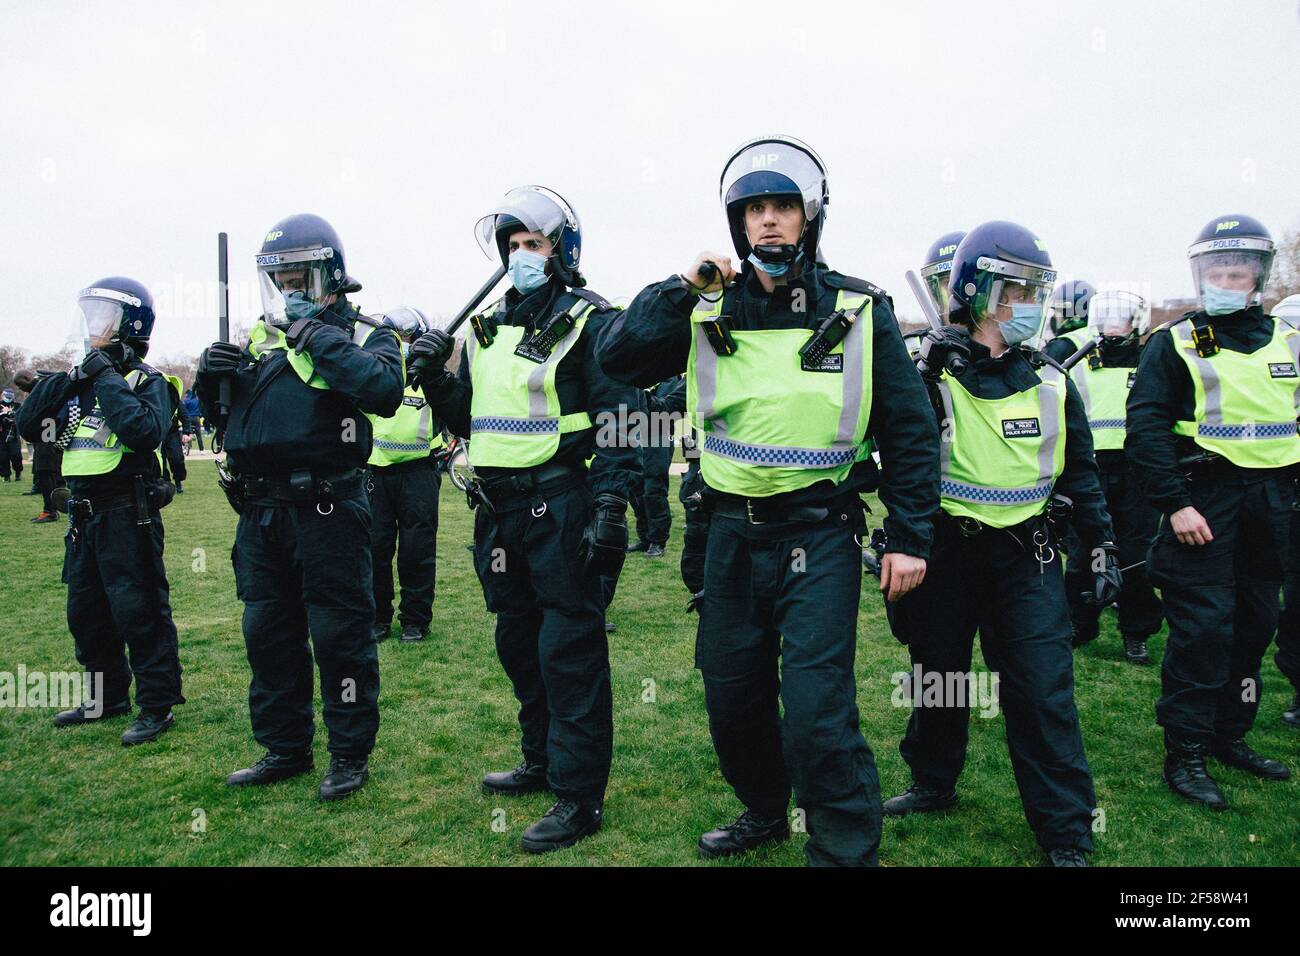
(299, 274)
(530, 208)
(1241, 270)
(936, 280)
(772, 166)
(407, 322)
(1115, 313)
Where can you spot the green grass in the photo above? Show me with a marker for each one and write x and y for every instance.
(77, 797)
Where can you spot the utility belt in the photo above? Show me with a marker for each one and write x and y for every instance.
(509, 492)
(145, 497)
(307, 487)
(779, 508)
(1206, 466)
(1036, 535)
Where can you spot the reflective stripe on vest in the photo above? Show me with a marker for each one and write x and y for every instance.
(94, 449)
(515, 419)
(267, 338)
(1017, 440)
(769, 426)
(406, 435)
(1246, 404)
(1105, 393)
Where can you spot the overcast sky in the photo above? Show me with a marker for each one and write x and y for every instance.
(131, 133)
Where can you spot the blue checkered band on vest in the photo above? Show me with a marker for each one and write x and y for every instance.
(993, 496)
(1278, 430)
(385, 445)
(789, 457)
(84, 444)
(1106, 422)
(520, 426)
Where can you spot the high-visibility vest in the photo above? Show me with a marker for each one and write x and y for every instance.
(768, 425)
(515, 419)
(1246, 404)
(1000, 457)
(406, 435)
(267, 338)
(1105, 393)
(94, 448)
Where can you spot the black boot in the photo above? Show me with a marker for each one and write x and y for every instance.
(749, 831)
(412, 633)
(272, 768)
(563, 825)
(526, 778)
(654, 551)
(1237, 753)
(149, 726)
(1186, 774)
(919, 800)
(1292, 716)
(345, 776)
(1066, 856)
(1135, 650)
(380, 632)
(637, 545)
(1081, 634)
(79, 715)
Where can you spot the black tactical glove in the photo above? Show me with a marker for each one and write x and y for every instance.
(604, 543)
(694, 603)
(428, 355)
(945, 348)
(300, 333)
(1108, 580)
(95, 364)
(221, 358)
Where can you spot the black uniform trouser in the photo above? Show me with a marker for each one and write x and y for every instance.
(304, 574)
(654, 518)
(404, 518)
(1140, 614)
(787, 594)
(118, 602)
(1287, 657)
(695, 538)
(1221, 601)
(11, 455)
(193, 427)
(173, 456)
(991, 584)
(550, 635)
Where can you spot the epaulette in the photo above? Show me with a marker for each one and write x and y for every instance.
(837, 280)
(588, 296)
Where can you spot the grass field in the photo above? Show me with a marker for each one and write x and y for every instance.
(77, 797)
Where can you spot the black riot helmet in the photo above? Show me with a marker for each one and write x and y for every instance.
(775, 166)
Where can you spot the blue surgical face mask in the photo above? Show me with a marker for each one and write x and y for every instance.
(527, 270)
(298, 306)
(1223, 301)
(1023, 325)
(771, 268)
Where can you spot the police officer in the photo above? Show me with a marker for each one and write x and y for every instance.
(1067, 317)
(654, 519)
(110, 412)
(47, 459)
(1120, 319)
(1287, 657)
(793, 373)
(297, 439)
(11, 446)
(404, 500)
(535, 405)
(1014, 433)
(1212, 439)
(934, 273)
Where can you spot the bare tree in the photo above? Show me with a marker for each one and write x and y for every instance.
(1285, 278)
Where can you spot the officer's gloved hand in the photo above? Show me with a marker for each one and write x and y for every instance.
(604, 543)
(694, 603)
(944, 348)
(95, 364)
(221, 358)
(300, 333)
(1107, 581)
(426, 361)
